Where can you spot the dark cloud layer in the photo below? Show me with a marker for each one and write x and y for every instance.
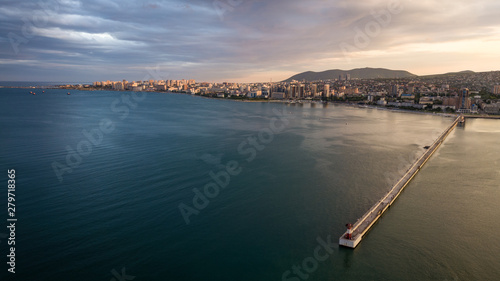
(238, 40)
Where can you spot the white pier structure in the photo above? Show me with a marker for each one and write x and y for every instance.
(355, 232)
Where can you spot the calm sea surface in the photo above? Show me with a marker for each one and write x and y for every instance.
(113, 212)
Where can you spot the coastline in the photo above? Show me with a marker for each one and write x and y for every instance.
(247, 100)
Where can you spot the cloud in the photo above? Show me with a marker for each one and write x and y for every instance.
(251, 38)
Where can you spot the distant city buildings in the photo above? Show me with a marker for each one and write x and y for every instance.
(465, 93)
(493, 108)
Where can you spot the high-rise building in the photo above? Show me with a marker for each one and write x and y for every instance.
(314, 90)
(464, 101)
(326, 91)
(302, 91)
(395, 90)
(293, 91)
(347, 77)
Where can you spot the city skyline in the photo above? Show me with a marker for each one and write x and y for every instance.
(242, 41)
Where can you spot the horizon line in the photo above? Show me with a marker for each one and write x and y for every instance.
(277, 81)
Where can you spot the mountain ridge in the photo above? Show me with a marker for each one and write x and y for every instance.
(449, 74)
(357, 73)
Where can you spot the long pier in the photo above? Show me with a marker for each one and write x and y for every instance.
(352, 237)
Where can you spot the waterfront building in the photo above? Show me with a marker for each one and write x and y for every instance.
(426, 100)
(395, 90)
(326, 91)
(382, 102)
(278, 95)
(464, 101)
(302, 90)
(118, 86)
(493, 108)
(314, 90)
(293, 91)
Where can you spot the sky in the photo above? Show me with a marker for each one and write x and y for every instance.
(242, 40)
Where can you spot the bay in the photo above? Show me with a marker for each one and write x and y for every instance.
(118, 209)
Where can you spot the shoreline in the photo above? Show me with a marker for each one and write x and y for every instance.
(354, 105)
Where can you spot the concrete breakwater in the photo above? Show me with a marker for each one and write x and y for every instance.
(355, 232)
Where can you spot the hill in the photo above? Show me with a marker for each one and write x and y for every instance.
(358, 73)
(465, 72)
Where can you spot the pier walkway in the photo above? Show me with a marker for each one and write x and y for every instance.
(357, 231)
